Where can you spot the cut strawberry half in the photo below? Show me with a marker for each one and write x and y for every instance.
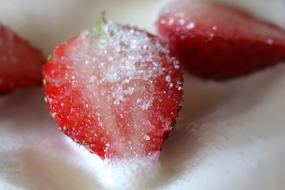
(216, 41)
(115, 90)
(20, 63)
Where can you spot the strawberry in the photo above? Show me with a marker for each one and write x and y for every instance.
(216, 41)
(115, 89)
(20, 63)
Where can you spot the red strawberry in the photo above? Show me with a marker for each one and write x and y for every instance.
(20, 63)
(216, 41)
(114, 89)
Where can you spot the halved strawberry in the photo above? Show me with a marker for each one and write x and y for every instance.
(216, 41)
(114, 89)
(20, 63)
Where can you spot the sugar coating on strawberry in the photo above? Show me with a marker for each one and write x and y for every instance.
(217, 41)
(20, 63)
(114, 89)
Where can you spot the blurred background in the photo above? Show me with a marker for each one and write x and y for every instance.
(48, 22)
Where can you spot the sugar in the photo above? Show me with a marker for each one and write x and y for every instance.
(190, 25)
(137, 59)
(118, 80)
(181, 21)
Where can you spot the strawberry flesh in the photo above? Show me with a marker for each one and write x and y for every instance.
(20, 63)
(216, 41)
(116, 91)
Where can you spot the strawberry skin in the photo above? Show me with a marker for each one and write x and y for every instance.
(216, 41)
(115, 90)
(20, 63)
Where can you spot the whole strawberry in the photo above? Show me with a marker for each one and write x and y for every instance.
(114, 89)
(20, 63)
(216, 41)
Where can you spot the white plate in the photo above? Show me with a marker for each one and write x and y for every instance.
(229, 135)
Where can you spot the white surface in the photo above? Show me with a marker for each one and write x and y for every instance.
(229, 135)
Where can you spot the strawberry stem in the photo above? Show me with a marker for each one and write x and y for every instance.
(104, 17)
(100, 23)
